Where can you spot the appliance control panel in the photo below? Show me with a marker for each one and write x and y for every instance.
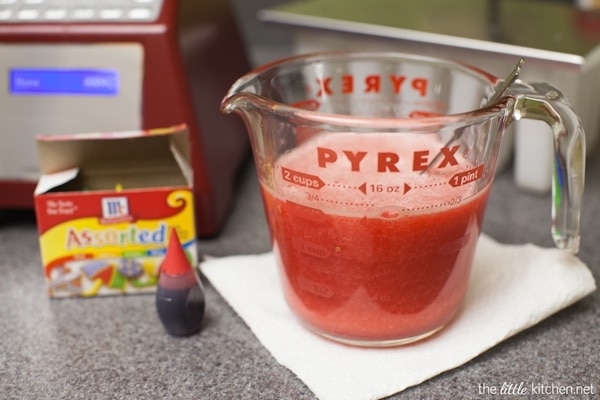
(51, 88)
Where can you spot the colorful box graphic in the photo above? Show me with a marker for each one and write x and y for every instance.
(105, 204)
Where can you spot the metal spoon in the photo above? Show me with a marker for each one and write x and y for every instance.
(512, 76)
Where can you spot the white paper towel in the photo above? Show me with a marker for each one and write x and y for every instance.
(511, 288)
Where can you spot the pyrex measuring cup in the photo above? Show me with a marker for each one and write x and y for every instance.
(375, 170)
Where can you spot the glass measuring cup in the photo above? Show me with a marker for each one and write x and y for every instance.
(375, 170)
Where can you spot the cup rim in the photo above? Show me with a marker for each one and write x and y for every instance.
(353, 121)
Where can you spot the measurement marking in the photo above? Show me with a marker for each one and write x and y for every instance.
(347, 203)
(453, 202)
(301, 179)
(340, 186)
(429, 207)
(441, 183)
(466, 177)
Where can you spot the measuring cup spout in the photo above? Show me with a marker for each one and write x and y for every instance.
(243, 98)
(238, 102)
(543, 102)
(254, 110)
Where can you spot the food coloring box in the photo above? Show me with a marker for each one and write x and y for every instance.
(105, 205)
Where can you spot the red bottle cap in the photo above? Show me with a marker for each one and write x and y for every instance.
(175, 261)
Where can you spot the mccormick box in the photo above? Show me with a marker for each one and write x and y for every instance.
(105, 204)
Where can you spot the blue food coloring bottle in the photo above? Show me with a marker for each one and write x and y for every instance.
(179, 295)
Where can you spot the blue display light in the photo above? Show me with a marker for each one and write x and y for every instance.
(60, 81)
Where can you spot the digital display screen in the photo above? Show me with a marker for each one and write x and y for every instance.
(63, 81)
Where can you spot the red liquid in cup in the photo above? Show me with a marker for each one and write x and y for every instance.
(392, 273)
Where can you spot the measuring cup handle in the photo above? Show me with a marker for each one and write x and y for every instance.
(543, 102)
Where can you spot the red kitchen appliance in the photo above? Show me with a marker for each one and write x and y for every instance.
(105, 65)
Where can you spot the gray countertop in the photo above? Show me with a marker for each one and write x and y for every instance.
(116, 348)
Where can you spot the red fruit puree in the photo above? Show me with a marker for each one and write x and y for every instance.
(380, 263)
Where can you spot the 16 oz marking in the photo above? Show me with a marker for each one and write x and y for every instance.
(384, 188)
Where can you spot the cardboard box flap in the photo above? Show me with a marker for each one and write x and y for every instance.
(132, 159)
(50, 181)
